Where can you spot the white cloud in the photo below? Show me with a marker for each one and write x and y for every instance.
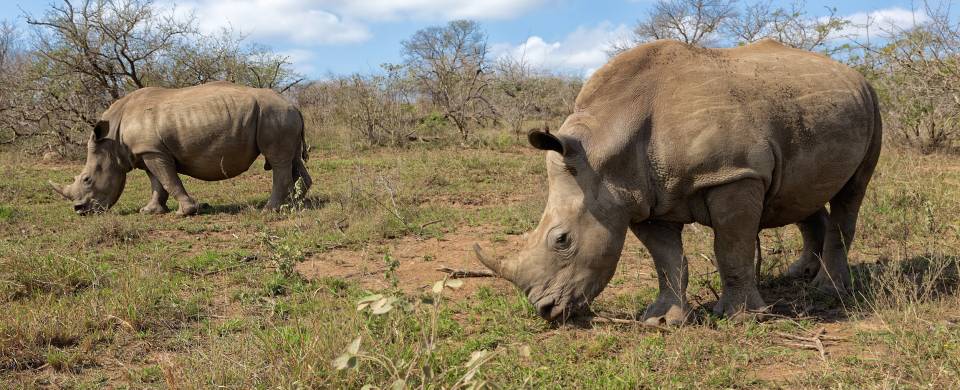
(583, 50)
(296, 26)
(881, 22)
(302, 59)
(303, 22)
(318, 22)
(438, 9)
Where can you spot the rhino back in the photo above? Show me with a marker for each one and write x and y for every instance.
(798, 121)
(209, 130)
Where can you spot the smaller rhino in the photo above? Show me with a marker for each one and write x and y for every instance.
(210, 132)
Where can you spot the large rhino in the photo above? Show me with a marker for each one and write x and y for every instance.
(668, 134)
(211, 132)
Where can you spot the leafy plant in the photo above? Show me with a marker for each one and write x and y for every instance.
(418, 369)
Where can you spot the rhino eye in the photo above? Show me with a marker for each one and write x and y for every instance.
(561, 241)
(87, 180)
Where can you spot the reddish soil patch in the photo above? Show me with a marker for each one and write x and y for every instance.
(418, 260)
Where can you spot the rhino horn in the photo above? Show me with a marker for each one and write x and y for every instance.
(59, 189)
(495, 265)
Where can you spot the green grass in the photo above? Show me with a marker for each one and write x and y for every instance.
(125, 300)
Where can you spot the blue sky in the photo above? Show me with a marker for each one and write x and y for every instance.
(343, 36)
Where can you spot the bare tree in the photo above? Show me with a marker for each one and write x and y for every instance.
(450, 64)
(690, 21)
(113, 43)
(205, 59)
(516, 92)
(522, 93)
(264, 68)
(227, 56)
(720, 22)
(791, 26)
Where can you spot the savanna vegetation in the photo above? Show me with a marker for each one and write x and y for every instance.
(411, 166)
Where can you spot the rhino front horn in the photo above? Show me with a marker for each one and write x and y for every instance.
(494, 264)
(58, 189)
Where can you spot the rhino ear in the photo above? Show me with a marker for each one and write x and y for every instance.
(100, 131)
(543, 140)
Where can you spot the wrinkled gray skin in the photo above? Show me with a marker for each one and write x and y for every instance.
(667, 134)
(211, 132)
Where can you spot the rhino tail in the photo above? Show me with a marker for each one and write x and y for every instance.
(758, 257)
(304, 148)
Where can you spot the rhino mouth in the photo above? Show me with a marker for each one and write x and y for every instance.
(88, 208)
(559, 309)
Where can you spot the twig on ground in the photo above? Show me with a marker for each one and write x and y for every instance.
(461, 273)
(815, 342)
(122, 322)
(337, 224)
(784, 317)
(707, 258)
(598, 319)
(424, 226)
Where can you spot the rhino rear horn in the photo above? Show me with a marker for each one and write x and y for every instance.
(59, 189)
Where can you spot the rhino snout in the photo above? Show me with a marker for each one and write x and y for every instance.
(90, 206)
(557, 308)
(548, 309)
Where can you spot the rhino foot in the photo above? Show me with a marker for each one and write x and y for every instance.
(830, 285)
(666, 312)
(154, 209)
(804, 268)
(188, 208)
(740, 304)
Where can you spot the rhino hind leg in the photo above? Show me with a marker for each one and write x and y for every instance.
(814, 230)
(734, 214)
(665, 244)
(165, 171)
(283, 180)
(158, 199)
(834, 275)
(300, 172)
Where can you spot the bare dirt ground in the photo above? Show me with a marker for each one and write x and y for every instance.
(418, 262)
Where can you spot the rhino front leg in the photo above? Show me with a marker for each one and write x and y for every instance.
(734, 214)
(665, 244)
(158, 200)
(165, 171)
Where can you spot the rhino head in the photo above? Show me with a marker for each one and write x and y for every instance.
(104, 175)
(571, 256)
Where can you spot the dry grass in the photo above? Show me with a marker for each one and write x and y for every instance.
(125, 300)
